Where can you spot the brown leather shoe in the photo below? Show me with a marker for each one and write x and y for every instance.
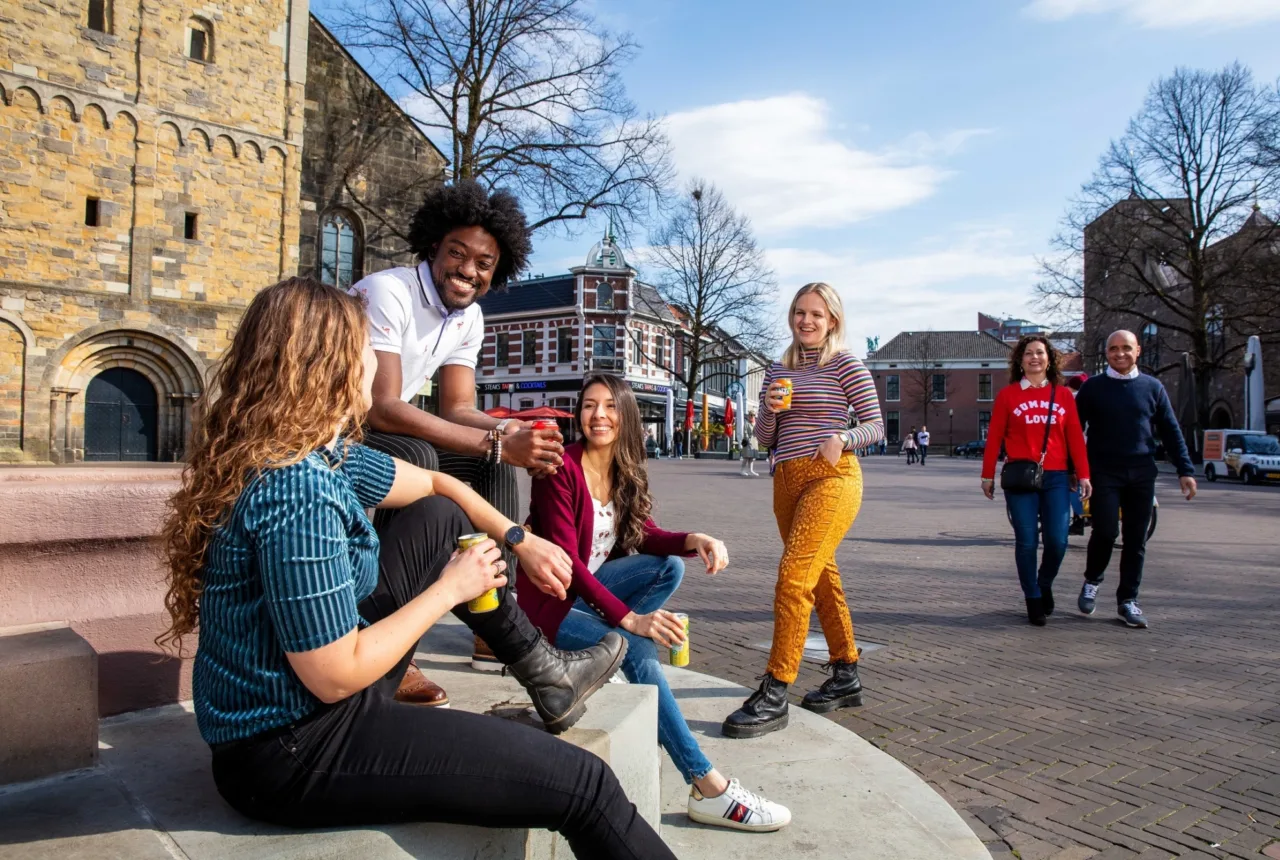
(483, 659)
(417, 689)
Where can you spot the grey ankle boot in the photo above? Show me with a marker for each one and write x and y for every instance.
(560, 682)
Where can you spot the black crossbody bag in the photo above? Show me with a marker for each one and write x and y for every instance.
(1027, 476)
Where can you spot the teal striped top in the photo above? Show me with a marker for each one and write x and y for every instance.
(284, 573)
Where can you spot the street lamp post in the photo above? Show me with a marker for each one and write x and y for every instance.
(951, 426)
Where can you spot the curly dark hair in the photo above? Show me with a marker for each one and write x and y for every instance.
(466, 203)
(1054, 373)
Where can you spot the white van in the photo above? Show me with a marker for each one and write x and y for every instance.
(1250, 455)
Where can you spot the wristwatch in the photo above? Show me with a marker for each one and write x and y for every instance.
(514, 537)
(501, 426)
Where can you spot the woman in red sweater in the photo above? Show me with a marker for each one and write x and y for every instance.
(596, 508)
(1035, 394)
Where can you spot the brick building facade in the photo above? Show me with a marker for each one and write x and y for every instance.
(946, 380)
(545, 334)
(150, 184)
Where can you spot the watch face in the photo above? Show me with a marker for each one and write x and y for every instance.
(514, 535)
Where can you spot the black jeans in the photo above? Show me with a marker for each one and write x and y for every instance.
(496, 484)
(1115, 489)
(372, 760)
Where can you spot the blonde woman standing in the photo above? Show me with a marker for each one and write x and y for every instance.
(806, 405)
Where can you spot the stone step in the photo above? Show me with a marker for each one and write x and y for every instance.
(48, 702)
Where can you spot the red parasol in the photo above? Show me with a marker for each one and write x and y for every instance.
(499, 412)
(688, 414)
(728, 417)
(540, 412)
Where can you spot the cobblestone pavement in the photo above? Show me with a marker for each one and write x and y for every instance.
(1080, 740)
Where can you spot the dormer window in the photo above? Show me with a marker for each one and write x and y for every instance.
(604, 296)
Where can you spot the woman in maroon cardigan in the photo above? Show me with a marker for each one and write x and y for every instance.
(596, 507)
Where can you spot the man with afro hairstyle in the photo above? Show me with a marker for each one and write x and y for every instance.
(424, 319)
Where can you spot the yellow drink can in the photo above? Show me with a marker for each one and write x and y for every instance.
(488, 601)
(680, 653)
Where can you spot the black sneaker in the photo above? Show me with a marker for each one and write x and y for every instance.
(1088, 598)
(1132, 614)
(1035, 611)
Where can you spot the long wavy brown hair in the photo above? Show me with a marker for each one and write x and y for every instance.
(293, 375)
(630, 496)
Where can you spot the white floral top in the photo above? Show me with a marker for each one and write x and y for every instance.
(603, 535)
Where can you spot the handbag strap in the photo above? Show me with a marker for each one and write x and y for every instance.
(1048, 423)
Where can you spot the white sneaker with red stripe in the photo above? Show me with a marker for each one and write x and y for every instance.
(738, 809)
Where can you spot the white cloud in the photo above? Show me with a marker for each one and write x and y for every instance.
(778, 160)
(1164, 14)
(940, 288)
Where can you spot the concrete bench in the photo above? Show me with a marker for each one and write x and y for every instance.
(153, 795)
(48, 703)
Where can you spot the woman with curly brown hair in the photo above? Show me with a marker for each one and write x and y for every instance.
(1034, 418)
(308, 618)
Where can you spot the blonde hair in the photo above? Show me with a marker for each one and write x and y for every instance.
(293, 374)
(834, 344)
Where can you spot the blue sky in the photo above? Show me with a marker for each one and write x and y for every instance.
(918, 156)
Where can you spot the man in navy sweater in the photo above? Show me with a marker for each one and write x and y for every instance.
(1122, 411)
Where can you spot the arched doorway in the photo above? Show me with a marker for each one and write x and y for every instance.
(120, 416)
(1220, 419)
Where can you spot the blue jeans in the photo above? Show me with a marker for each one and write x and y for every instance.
(643, 582)
(1050, 510)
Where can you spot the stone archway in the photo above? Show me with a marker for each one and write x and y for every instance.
(151, 356)
(1220, 418)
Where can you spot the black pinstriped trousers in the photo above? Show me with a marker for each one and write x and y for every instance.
(496, 484)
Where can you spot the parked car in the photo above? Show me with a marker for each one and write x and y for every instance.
(976, 448)
(1250, 455)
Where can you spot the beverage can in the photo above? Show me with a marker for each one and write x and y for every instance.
(786, 397)
(488, 601)
(545, 424)
(680, 653)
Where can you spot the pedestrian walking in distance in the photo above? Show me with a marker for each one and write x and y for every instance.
(1122, 410)
(1035, 418)
(804, 413)
(922, 441)
(909, 445)
(749, 446)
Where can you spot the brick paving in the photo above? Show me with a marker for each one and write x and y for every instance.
(1080, 740)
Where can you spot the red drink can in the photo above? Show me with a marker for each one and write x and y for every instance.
(545, 424)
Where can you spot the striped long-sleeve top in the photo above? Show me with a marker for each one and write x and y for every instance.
(284, 574)
(823, 400)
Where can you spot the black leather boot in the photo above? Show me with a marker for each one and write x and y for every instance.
(560, 682)
(763, 712)
(1035, 611)
(1046, 596)
(841, 690)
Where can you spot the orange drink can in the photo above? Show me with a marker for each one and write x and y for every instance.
(786, 397)
(680, 653)
(488, 601)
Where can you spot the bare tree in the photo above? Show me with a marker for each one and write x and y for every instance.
(357, 128)
(528, 94)
(924, 355)
(1168, 235)
(708, 268)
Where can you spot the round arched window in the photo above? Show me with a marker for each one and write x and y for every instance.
(338, 250)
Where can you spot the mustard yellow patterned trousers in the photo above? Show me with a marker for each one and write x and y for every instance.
(815, 504)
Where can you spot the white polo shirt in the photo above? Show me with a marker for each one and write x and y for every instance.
(406, 317)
